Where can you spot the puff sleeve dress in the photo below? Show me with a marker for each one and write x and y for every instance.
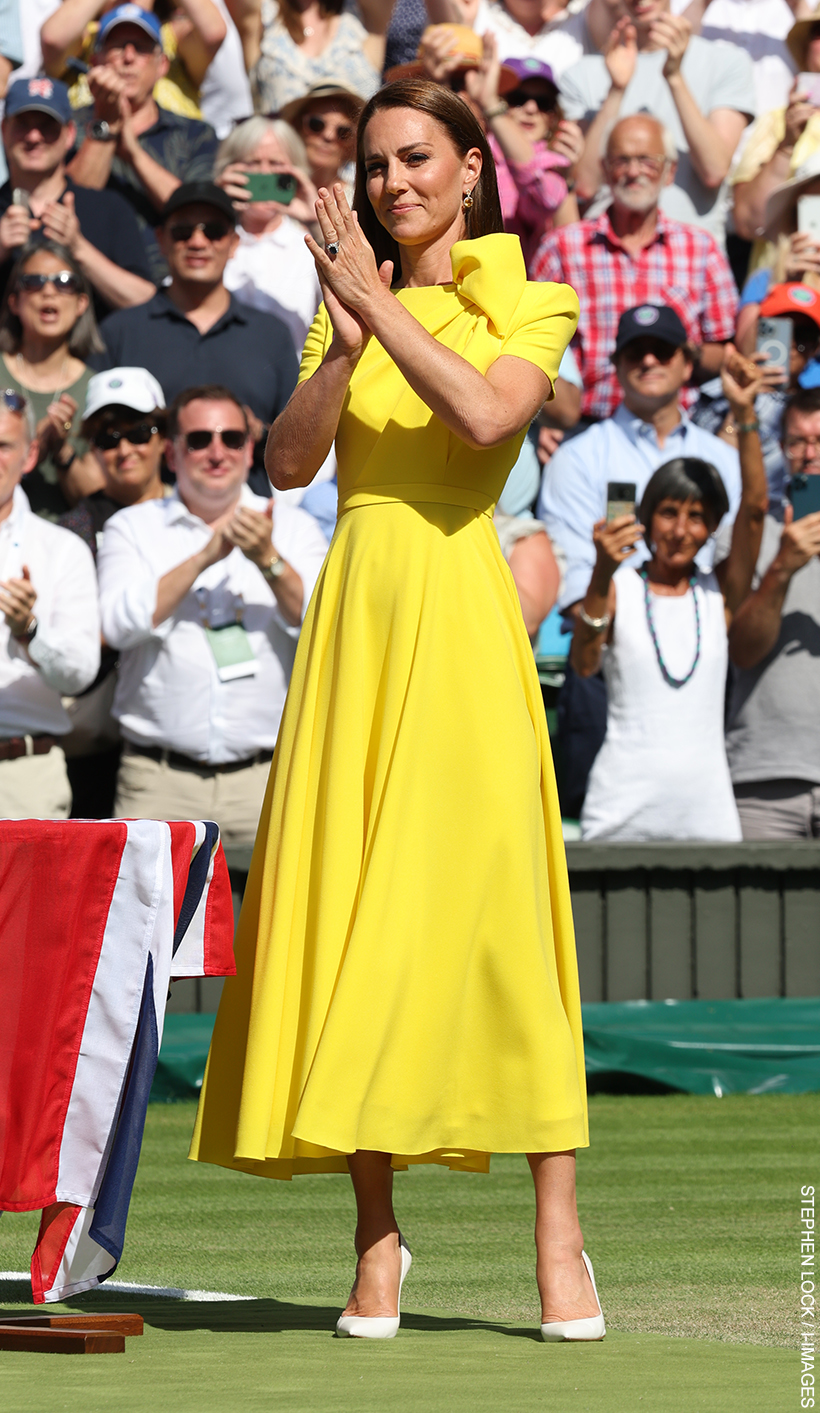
(406, 972)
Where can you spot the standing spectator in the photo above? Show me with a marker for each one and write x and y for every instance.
(761, 27)
(196, 329)
(298, 45)
(97, 227)
(203, 594)
(325, 118)
(535, 29)
(702, 92)
(772, 732)
(49, 633)
(130, 143)
(635, 254)
(225, 91)
(191, 36)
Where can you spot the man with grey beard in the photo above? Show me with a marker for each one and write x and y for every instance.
(634, 255)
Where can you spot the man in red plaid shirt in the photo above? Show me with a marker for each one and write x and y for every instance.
(633, 254)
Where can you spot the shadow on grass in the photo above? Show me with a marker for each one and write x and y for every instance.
(242, 1317)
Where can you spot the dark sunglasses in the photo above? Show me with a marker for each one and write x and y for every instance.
(109, 438)
(212, 231)
(314, 123)
(13, 401)
(231, 438)
(517, 99)
(64, 281)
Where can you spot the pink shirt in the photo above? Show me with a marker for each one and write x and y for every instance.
(530, 193)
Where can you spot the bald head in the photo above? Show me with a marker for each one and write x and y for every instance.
(639, 162)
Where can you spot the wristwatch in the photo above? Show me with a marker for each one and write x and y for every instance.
(275, 569)
(100, 131)
(26, 638)
(498, 111)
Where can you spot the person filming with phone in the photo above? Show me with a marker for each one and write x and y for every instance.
(772, 733)
(659, 630)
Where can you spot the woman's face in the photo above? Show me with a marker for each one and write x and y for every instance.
(416, 179)
(537, 125)
(329, 134)
(679, 529)
(268, 156)
(48, 312)
(129, 467)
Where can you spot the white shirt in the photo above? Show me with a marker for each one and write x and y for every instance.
(561, 42)
(225, 92)
(169, 693)
(275, 272)
(66, 646)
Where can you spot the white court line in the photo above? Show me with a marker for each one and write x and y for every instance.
(168, 1292)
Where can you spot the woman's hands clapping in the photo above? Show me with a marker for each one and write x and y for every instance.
(350, 280)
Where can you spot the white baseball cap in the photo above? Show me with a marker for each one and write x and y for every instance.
(123, 387)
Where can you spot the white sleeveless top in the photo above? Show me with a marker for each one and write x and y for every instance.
(662, 771)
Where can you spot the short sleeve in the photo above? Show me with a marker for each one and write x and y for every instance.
(542, 326)
(732, 80)
(317, 343)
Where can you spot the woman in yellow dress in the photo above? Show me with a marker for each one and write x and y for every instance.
(407, 986)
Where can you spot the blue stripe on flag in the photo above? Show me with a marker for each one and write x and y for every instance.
(197, 879)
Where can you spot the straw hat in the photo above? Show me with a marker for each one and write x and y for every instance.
(469, 50)
(798, 39)
(784, 196)
(328, 88)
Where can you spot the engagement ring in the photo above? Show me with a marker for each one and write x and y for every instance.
(332, 247)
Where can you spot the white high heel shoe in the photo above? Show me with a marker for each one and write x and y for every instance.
(591, 1328)
(377, 1326)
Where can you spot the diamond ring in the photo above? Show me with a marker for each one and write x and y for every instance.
(332, 247)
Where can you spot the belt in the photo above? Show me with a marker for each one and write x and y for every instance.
(180, 762)
(15, 746)
(417, 494)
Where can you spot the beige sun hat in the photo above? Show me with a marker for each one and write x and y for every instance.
(328, 88)
(468, 48)
(797, 39)
(786, 195)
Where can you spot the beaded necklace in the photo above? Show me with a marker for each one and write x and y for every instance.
(667, 675)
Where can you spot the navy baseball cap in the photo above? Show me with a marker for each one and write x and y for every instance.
(130, 15)
(658, 321)
(531, 69)
(199, 194)
(39, 95)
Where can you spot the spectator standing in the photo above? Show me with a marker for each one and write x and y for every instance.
(662, 771)
(47, 331)
(535, 29)
(225, 92)
(49, 633)
(702, 92)
(761, 27)
(130, 143)
(203, 594)
(196, 329)
(325, 118)
(772, 726)
(298, 45)
(635, 254)
(97, 227)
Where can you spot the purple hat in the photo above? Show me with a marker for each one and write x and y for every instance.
(531, 69)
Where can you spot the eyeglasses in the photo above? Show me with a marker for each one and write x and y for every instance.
(213, 231)
(518, 97)
(232, 439)
(64, 281)
(109, 438)
(314, 123)
(119, 46)
(13, 401)
(806, 447)
(653, 165)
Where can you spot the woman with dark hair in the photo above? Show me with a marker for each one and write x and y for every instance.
(300, 43)
(407, 988)
(47, 331)
(660, 633)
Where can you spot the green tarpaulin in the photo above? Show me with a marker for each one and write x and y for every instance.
(703, 1047)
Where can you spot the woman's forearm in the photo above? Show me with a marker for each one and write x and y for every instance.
(750, 197)
(588, 643)
(301, 437)
(747, 533)
(756, 626)
(589, 173)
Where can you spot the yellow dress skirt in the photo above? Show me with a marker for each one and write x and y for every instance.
(406, 973)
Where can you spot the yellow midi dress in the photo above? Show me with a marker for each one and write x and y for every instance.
(406, 972)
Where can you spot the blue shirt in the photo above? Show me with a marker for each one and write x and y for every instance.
(621, 448)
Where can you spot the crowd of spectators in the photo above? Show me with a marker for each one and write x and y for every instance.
(161, 162)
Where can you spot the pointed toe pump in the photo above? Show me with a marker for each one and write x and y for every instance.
(377, 1326)
(592, 1328)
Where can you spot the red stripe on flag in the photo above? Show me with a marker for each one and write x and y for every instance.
(218, 955)
(183, 838)
(56, 1226)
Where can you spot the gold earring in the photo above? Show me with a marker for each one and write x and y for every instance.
(467, 201)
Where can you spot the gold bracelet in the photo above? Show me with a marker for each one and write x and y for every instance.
(498, 111)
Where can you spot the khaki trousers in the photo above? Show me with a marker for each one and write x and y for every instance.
(151, 789)
(35, 787)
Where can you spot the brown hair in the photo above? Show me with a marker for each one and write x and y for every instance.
(84, 338)
(207, 392)
(463, 130)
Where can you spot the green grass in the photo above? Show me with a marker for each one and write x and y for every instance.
(689, 1210)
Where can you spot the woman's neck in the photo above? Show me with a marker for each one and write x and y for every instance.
(134, 495)
(668, 579)
(429, 264)
(48, 360)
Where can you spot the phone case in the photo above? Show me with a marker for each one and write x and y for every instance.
(804, 493)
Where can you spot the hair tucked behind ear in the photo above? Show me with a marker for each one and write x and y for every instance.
(422, 96)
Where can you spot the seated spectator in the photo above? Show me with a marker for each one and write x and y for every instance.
(203, 595)
(779, 142)
(124, 422)
(130, 143)
(635, 254)
(97, 227)
(325, 118)
(298, 45)
(535, 29)
(534, 566)
(271, 268)
(49, 634)
(787, 253)
(47, 330)
(772, 725)
(701, 91)
(195, 328)
(661, 634)
(801, 306)
(191, 33)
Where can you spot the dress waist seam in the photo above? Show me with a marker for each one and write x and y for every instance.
(418, 493)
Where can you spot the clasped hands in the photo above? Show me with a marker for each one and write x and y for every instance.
(17, 600)
(245, 529)
(352, 284)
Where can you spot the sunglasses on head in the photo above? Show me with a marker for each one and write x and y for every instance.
(109, 438)
(232, 439)
(314, 123)
(212, 231)
(517, 99)
(64, 281)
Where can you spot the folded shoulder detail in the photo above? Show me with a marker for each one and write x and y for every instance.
(490, 273)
